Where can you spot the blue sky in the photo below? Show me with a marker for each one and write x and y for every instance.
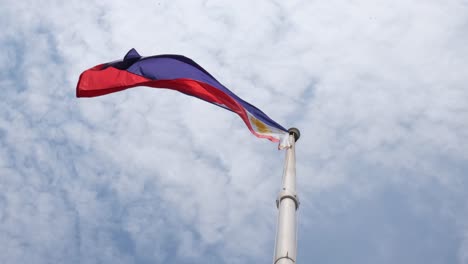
(378, 89)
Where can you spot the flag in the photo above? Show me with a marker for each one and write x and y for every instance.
(178, 73)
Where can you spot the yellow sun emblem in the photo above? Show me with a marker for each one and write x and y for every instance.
(261, 127)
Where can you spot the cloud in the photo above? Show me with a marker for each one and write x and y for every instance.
(153, 176)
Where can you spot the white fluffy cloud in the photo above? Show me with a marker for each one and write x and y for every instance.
(377, 88)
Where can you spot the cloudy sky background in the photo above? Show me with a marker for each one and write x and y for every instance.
(378, 89)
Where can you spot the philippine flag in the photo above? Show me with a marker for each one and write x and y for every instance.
(178, 73)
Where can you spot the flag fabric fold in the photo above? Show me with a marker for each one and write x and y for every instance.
(178, 73)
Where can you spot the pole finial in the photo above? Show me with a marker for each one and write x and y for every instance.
(294, 131)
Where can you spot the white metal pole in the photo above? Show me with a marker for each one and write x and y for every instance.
(287, 203)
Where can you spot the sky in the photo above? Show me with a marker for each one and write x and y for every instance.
(377, 88)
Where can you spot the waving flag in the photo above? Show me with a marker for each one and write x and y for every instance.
(178, 73)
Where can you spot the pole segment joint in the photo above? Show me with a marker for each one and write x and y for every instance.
(287, 194)
(287, 258)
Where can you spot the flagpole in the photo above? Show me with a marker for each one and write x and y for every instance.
(287, 204)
